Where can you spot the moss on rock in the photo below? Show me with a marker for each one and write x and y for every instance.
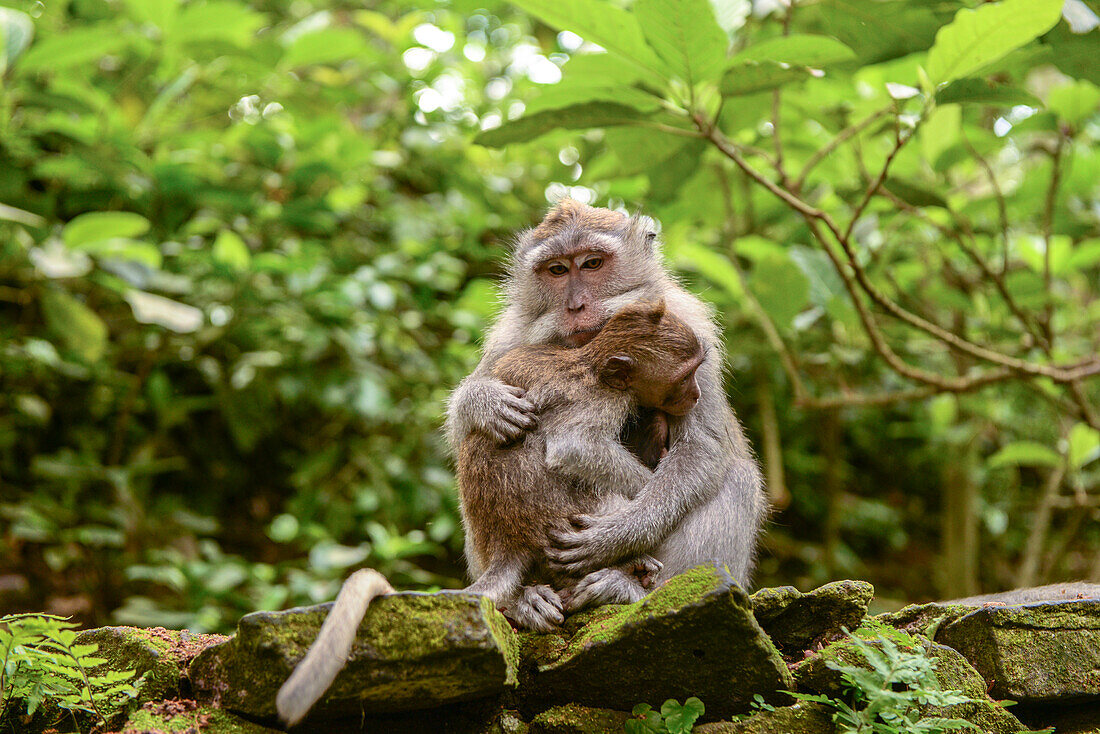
(795, 620)
(1033, 653)
(413, 651)
(574, 719)
(694, 636)
(187, 717)
(801, 718)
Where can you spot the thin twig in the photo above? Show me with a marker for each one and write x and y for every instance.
(836, 142)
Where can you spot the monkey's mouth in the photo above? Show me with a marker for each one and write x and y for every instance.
(580, 338)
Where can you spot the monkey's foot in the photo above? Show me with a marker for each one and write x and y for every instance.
(606, 586)
(538, 608)
(644, 568)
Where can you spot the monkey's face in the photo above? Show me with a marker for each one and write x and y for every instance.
(672, 388)
(578, 283)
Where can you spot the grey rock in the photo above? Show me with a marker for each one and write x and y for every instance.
(413, 651)
(693, 636)
(795, 620)
(1034, 652)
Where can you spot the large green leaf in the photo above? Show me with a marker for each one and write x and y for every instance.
(878, 31)
(600, 22)
(1024, 453)
(798, 50)
(781, 287)
(716, 268)
(326, 46)
(97, 226)
(78, 327)
(980, 36)
(576, 117)
(16, 32)
(752, 76)
(219, 19)
(980, 91)
(72, 48)
(686, 36)
(1074, 102)
(1084, 445)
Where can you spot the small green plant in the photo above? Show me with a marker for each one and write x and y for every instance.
(40, 663)
(673, 718)
(889, 697)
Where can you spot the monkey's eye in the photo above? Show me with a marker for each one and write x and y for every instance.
(557, 269)
(592, 263)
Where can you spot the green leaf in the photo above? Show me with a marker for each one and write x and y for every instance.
(16, 32)
(78, 327)
(879, 31)
(326, 46)
(1024, 453)
(980, 36)
(217, 20)
(974, 90)
(600, 22)
(686, 36)
(715, 267)
(752, 76)
(1085, 254)
(781, 287)
(913, 194)
(73, 48)
(97, 226)
(231, 251)
(124, 248)
(1084, 445)
(680, 719)
(575, 117)
(798, 49)
(1074, 102)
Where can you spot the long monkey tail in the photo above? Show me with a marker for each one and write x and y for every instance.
(329, 652)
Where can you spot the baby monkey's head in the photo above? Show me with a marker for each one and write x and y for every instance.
(651, 353)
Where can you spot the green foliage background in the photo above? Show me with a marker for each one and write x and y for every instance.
(247, 248)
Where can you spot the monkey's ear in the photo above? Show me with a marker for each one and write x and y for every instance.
(616, 371)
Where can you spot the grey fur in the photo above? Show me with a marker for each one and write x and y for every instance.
(706, 501)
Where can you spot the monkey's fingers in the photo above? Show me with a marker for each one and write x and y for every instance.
(519, 392)
(583, 522)
(520, 404)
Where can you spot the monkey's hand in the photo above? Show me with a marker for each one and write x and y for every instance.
(593, 542)
(501, 411)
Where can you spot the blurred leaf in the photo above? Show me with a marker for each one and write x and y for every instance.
(915, 195)
(781, 288)
(1074, 102)
(576, 117)
(1084, 445)
(752, 77)
(1085, 254)
(73, 48)
(798, 49)
(97, 226)
(78, 327)
(980, 36)
(219, 19)
(16, 32)
(715, 267)
(172, 315)
(685, 35)
(231, 251)
(326, 46)
(973, 90)
(1024, 453)
(599, 22)
(878, 31)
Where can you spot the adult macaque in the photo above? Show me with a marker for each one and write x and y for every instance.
(704, 502)
(512, 494)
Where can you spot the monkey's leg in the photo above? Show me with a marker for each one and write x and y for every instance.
(621, 584)
(501, 581)
(329, 652)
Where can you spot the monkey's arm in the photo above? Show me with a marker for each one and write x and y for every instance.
(706, 447)
(598, 460)
(485, 403)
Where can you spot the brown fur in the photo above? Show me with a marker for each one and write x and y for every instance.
(569, 213)
(510, 499)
